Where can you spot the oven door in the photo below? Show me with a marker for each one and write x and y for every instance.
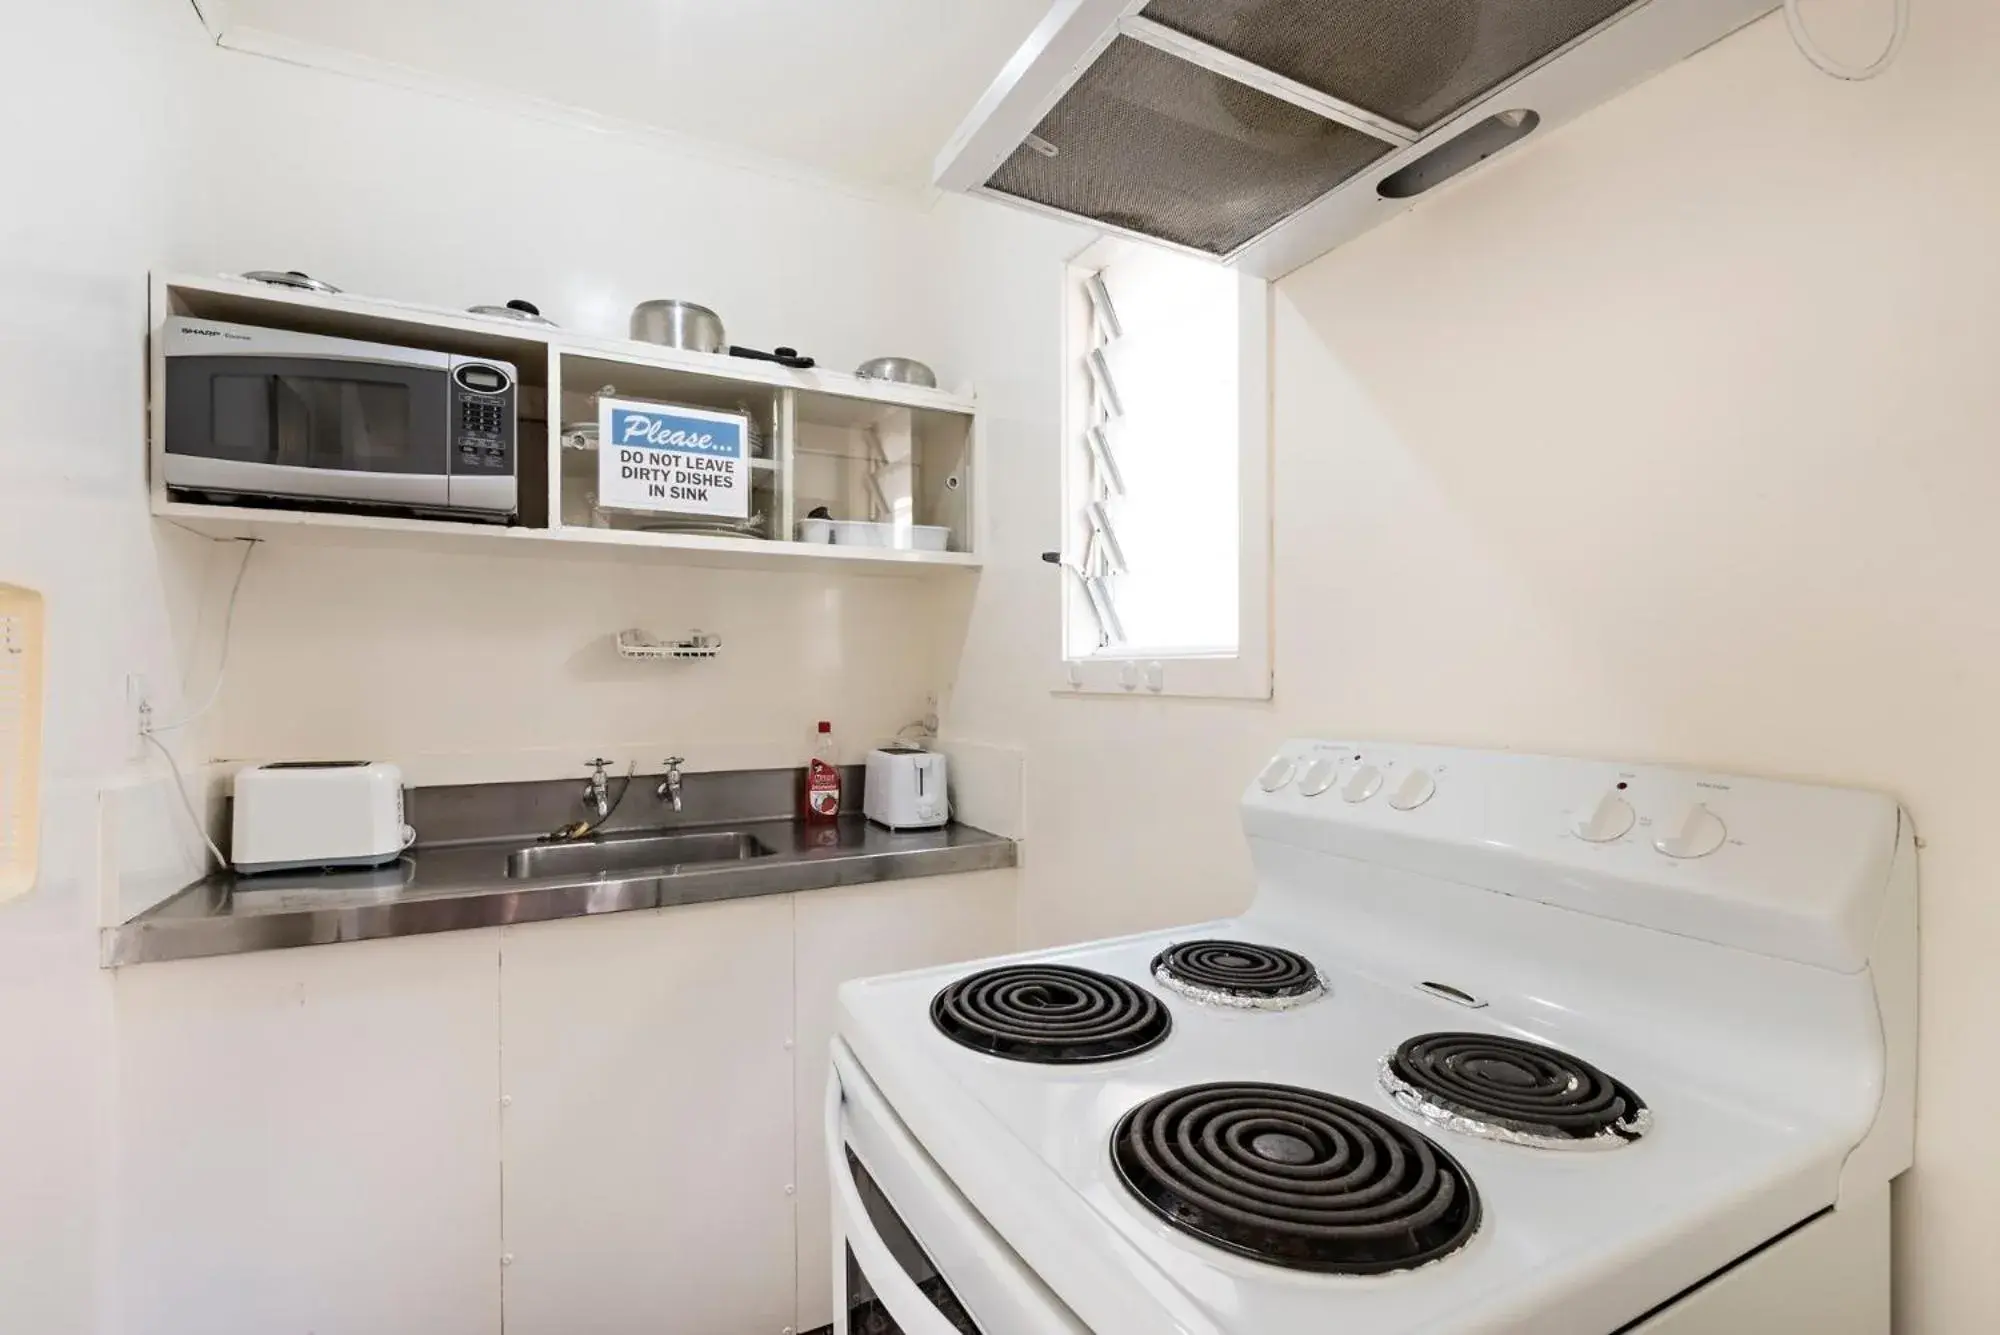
(911, 1255)
(310, 427)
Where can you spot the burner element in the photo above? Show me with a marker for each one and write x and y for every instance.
(1237, 973)
(1509, 1089)
(1295, 1178)
(1050, 1013)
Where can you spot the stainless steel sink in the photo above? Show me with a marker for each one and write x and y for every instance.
(664, 853)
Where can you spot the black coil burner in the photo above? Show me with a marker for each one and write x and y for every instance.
(1523, 1090)
(1237, 970)
(1050, 1013)
(1295, 1178)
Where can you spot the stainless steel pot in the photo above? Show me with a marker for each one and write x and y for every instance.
(903, 370)
(679, 324)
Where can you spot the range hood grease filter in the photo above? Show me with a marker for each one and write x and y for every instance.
(1151, 143)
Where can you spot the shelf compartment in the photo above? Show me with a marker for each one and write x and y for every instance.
(583, 379)
(885, 464)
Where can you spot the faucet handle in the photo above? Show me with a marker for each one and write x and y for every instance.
(599, 764)
(675, 762)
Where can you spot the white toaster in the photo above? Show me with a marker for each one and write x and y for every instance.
(905, 789)
(318, 813)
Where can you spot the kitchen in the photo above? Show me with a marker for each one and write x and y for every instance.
(1550, 451)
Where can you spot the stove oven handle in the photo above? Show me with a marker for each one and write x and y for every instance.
(914, 1313)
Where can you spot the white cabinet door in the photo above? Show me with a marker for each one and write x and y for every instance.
(647, 1127)
(856, 933)
(308, 1141)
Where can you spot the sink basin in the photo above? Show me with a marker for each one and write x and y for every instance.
(663, 852)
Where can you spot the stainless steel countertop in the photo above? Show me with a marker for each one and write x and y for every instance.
(456, 886)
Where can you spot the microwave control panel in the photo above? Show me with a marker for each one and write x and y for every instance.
(482, 408)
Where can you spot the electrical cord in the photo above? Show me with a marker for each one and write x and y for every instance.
(222, 666)
(150, 730)
(187, 803)
(1853, 73)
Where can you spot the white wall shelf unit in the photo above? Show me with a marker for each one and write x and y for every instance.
(866, 449)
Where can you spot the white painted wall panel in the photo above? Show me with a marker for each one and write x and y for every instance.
(856, 933)
(91, 126)
(309, 1141)
(648, 1133)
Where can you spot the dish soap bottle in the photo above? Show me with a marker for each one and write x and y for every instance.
(823, 778)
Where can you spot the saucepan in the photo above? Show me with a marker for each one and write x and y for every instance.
(679, 324)
(903, 370)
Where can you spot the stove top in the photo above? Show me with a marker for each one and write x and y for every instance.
(1045, 1152)
(1238, 973)
(1295, 1178)
(1051, 1014)
(1507, 1089)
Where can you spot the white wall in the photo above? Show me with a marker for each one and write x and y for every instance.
(1672, 437)
(74, 248)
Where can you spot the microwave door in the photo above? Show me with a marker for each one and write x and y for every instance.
(310, 428)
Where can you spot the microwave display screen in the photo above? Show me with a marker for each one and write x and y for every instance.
(482, 378)
(312, 422)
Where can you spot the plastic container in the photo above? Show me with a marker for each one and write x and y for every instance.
(914, 537)
(816, 530)
(823, 778)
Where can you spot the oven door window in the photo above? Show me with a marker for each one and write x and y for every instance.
(865, 1313)
(303, 413)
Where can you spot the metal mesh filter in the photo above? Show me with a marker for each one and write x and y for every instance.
(1414, 61)
(1153, 144)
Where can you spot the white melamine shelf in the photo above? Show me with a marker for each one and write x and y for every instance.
(554, 363)
(339, 529)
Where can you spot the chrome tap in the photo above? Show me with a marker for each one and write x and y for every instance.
(597, 793)
(670, 788)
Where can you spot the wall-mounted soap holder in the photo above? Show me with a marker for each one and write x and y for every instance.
(639, 646)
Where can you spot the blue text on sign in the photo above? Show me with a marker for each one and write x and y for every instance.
(663, 432)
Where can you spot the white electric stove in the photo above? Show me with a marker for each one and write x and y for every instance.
(1504, 1044)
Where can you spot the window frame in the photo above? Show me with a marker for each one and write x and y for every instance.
(1245, 674)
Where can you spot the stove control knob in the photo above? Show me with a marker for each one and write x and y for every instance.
(1319, 776)
(1611, 819)
(1700, 833)
(1276, 774)
(1415, 790)
(1363, 783)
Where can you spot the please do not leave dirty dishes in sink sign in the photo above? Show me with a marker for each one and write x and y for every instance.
(672, 459)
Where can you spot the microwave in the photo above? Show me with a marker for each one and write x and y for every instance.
(269, 414)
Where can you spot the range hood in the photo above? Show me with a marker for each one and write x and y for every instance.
(1266, 132)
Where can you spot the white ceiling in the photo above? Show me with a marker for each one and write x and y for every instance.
(862, 90)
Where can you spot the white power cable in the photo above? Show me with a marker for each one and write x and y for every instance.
(150, 730)
(1854, 73)
(222, 665)
(187, 803)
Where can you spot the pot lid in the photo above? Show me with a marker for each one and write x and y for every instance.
(290, 278)
(522, 312)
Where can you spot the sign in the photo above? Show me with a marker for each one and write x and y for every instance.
(687, 461)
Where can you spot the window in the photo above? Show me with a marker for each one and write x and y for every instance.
(1166, 476)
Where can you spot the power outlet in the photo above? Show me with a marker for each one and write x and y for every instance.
(138, 714)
